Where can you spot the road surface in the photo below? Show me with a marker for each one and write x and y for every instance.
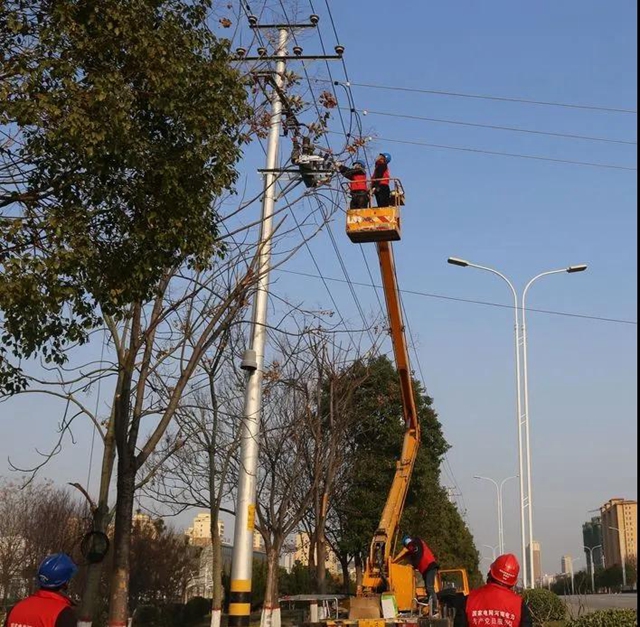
(582, 604)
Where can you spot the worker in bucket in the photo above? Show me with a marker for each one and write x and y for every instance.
(495, 599)
(420, 556)
(49, 606)
(381, 180)
(359, 189)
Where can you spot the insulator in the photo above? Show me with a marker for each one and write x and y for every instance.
(339, 50)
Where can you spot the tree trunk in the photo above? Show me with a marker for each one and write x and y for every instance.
(321, 559)
(358, 565)
(101, 519)
(271, 609)
(346, 579)
(216, 572)
(119, 589)
(91, 592)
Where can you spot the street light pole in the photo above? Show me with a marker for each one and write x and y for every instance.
(464, 264)
(526, 497)
(623, 556)
(573, 590)
(593, 566)
(525, 360)
(499, 488)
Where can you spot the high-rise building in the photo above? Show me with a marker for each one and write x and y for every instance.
(592, 539)
(300, 553)
(566, 565)
(199, 533)
(619, 530)
(537, 562)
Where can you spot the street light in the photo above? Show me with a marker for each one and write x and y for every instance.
(593, 566)
(499, 488)
(623, 556)
(526, 500)
(573, 588)
(493, 551)
(525, 359)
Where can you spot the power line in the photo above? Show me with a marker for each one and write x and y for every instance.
(456, 94)
(474, 302)
(513, 129)
(497, 153)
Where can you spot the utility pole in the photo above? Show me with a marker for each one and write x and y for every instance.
(253, 359)
(253, 363)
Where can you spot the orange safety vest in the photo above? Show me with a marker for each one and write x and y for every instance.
(384, 179)
(39, 610)
(359, 183)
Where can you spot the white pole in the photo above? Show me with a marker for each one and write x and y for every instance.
(242, 565)
(525, 359)
(502, 511)
(523, 543)
(623, 555)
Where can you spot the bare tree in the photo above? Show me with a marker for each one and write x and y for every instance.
(201, 470)
(300, 445)
(35, 521)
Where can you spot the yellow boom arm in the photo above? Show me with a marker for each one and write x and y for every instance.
(376, 569)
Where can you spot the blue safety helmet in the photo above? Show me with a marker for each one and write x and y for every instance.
(387, 156)
(56, 571)
(406, 541)
(359, 164)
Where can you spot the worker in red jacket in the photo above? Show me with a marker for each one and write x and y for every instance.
(495, 603)
(49, 606)
(421, 557)
(359, 188)
(381, 180)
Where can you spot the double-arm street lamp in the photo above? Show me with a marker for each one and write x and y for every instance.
(522, 405)
(593, 566)
(499, 487)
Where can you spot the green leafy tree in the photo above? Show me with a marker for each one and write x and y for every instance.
(123, 121)
(375, 447)
(123, 124)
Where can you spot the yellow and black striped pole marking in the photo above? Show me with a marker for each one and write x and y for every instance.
(240, 603)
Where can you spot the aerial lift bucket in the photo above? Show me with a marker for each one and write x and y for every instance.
(381, 224)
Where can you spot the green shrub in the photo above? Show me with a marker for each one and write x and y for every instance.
(607, 618)
(545, 606)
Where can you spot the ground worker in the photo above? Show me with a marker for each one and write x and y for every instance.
(381, 179)
(358, 186)
(421, 557)
(49, 606)
(495, 603)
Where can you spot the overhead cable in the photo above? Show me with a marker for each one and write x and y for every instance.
(472, 301)
(515, 155)
(513, 129)
(456, 94)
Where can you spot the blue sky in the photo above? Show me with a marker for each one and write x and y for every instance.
(517, 215)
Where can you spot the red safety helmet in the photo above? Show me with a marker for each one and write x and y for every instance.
(505, 569)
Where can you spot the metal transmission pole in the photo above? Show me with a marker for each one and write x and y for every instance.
(253, 360)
